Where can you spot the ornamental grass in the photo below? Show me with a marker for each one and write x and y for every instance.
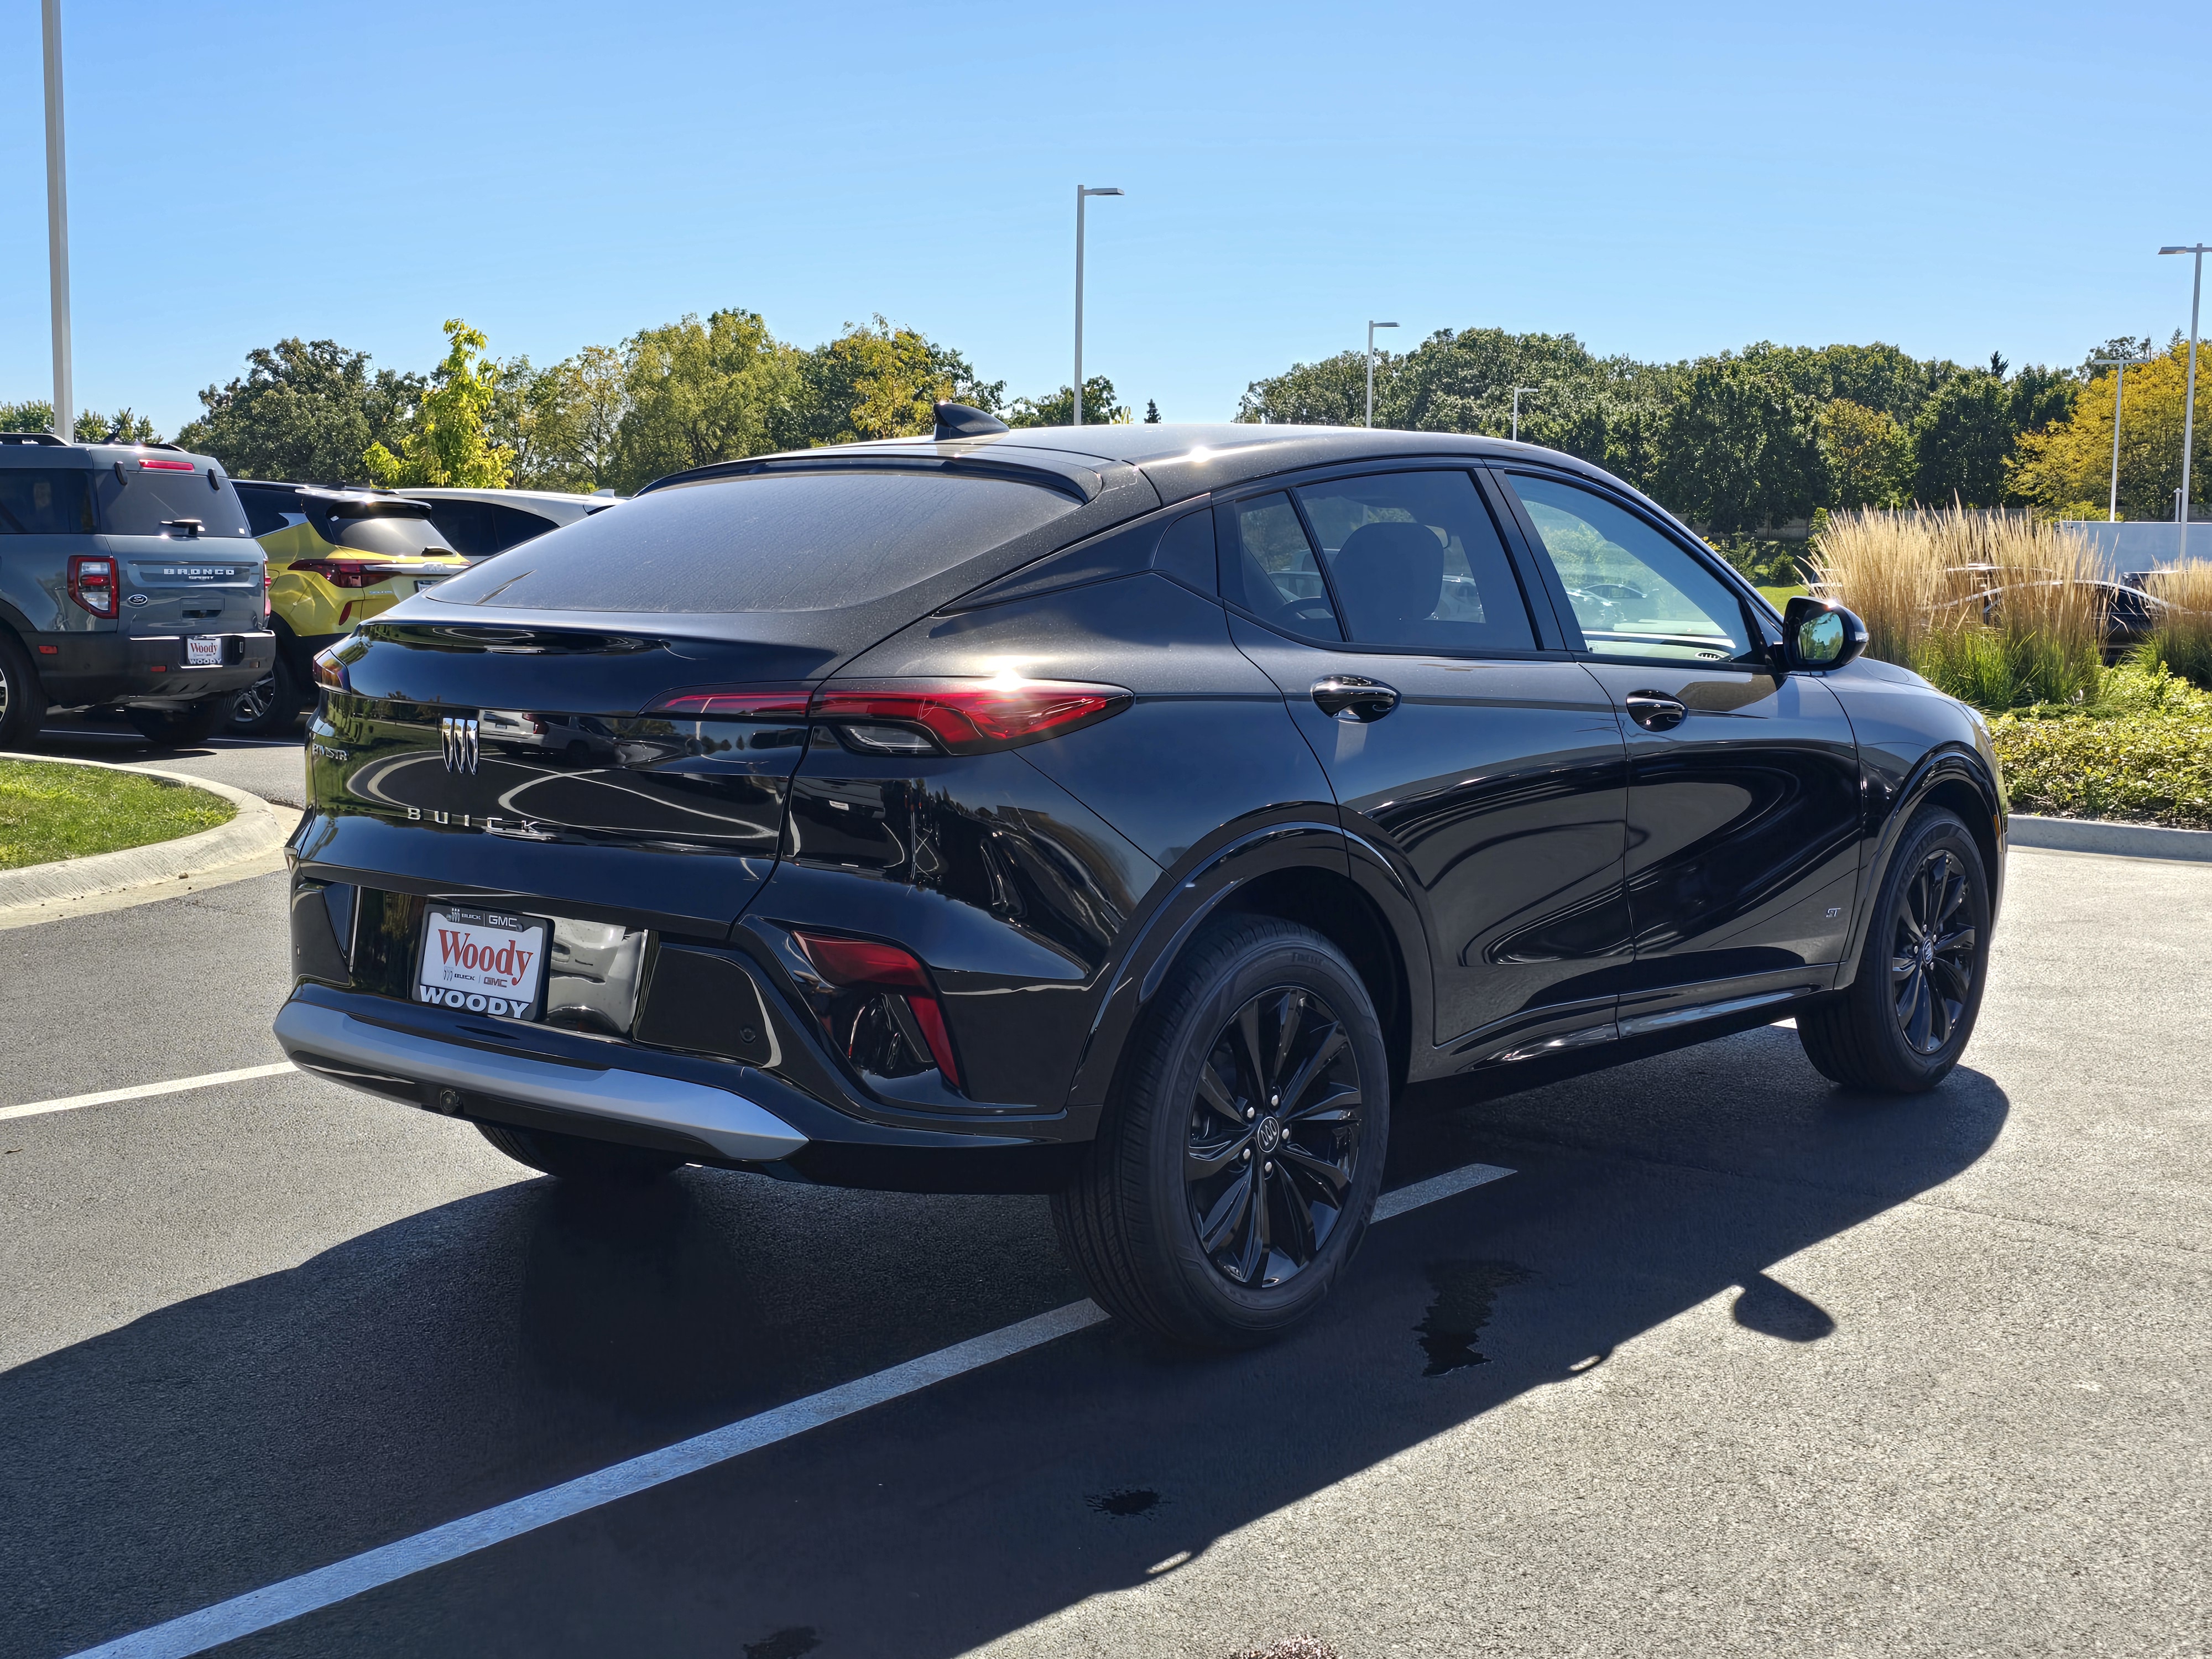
(2183, 639)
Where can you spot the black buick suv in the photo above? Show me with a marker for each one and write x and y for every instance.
(1127, 813)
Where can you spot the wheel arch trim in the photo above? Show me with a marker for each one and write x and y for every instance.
(1948, 764)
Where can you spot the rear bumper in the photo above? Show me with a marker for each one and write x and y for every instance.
(78, 669)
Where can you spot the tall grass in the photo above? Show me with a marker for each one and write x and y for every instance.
(1921, 582)
(2183, 639)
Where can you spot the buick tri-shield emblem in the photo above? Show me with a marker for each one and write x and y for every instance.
(456, 736)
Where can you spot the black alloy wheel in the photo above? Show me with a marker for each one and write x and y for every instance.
(1907, 1016)
(1274, 1143)
(1237, 1165)
(1932, 952)
(270, 706)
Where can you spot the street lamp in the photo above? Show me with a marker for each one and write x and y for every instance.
(1517, 391)
(2119, 390)
(2189, 409)
(1371, 327)
(58, 286)
(1083, 193)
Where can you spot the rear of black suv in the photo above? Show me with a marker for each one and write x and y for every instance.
(128, 580)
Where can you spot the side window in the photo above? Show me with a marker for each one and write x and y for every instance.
(268, 511)
(44, 501)
(1635, 592)
(1415, 561)
(1268, 566)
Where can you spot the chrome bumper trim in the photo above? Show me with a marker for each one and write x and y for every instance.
(730, 1123)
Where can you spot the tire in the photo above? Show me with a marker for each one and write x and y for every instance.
(1908, 1016)
(573, 1158)
(22, 700)
(181, 728)
(270, 706)
(1133, 1219)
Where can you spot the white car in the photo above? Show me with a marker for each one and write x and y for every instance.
(479, 523)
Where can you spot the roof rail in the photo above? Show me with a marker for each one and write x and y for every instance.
(34, 438)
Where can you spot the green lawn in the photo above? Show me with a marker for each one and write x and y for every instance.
(1779, 597)
(49, 813)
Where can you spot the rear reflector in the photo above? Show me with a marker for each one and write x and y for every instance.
(959, 717)
(864, 962)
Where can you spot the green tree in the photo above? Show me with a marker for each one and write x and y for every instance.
(37, 415)
(705, 391)
(1330, 393)
(883, 382)
(303, 410)
(1738, 449)
(1878, 376)
(1099, 408)
(2065, 470)
(446, 445)
(1152, 412)
(563, 422)
(1866, 454)
(1961, 441)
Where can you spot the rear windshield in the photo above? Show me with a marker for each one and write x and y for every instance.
(162, 503)
(386, 537)
(44, 501)
(778, 543)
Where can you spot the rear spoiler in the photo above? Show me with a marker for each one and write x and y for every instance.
(1069, 479)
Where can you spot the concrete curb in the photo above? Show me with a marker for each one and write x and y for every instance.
(255, 832)
(2127, 841)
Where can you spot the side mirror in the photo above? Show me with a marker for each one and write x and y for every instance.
(1817, 635)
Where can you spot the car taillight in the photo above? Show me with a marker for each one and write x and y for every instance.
(338, 572)
(948, 716)
(329, 669)
(91, 583)
(156, 464)
(884, 974)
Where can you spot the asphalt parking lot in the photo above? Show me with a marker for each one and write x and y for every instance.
(1733, 1363)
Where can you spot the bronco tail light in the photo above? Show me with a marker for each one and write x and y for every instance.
(339, 573)
(947, 716)
(156, 464)
(868, 965)
(329, 669)
(91, 583)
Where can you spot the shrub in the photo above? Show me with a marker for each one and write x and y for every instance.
(2184, 638)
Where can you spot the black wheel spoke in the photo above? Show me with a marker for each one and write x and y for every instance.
(1337, 1180)
(1320, 1060)
(1216, 1098)
(1228, 1210)
(1290, 1013)
(1339, 1105)
(1202, 1161)
(1256, 1230)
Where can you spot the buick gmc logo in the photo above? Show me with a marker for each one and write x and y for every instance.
(456, 736)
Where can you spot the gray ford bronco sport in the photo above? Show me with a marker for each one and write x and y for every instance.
(128, 581)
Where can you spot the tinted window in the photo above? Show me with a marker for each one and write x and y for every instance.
(1415, 559)
(780, 542)
(159, 502)
(393, 535)
(269, 509)
(44, 501)
(1268, 566)
(1635, 592)
(480, 529)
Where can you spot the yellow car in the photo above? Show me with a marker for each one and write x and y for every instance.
(336, 557)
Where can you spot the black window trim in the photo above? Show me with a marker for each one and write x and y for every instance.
(1748, 598)
(1289, 483)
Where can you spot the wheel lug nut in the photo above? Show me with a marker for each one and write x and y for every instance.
(1267, 1168)
(1250, 1111)
(1248, 1154)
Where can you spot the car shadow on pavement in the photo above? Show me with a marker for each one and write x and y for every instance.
(496, 1345)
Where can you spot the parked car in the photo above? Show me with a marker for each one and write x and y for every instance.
(336, 557)
(128, 581)
(479, 523)
(2127, 615)
(1127, 814)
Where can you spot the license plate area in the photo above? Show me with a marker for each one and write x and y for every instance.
(483, 962)
(423, 584)
(203, 651)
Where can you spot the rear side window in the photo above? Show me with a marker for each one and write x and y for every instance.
(480, 529)
(159, 502)
(787, 542)
(1268, 567)
(1415, 561)
(269, 509)
(44, 501)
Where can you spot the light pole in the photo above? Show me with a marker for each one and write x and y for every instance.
(1517, 391)
(58, 287)
(2120, 392)
(1083, 193)
(1371, 327)
(2189, 409)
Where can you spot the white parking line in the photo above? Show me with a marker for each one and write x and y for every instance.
(262, 1609)
(140, 1090)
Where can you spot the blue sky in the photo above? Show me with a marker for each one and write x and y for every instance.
(1956, 180)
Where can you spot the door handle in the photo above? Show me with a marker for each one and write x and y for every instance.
(1655, 711)
(1362, 699)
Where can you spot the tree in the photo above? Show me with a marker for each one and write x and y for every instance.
(445, 445)
(883, 382)
(1961, 441)
(2066, 469)
(1878, 376)
(1330, 393)
(1738, 449)
(1099, 408)
(1866, 454)
(700, 393)
(303, 410)
(1152, 412)
(563, 422)
(37, 415)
